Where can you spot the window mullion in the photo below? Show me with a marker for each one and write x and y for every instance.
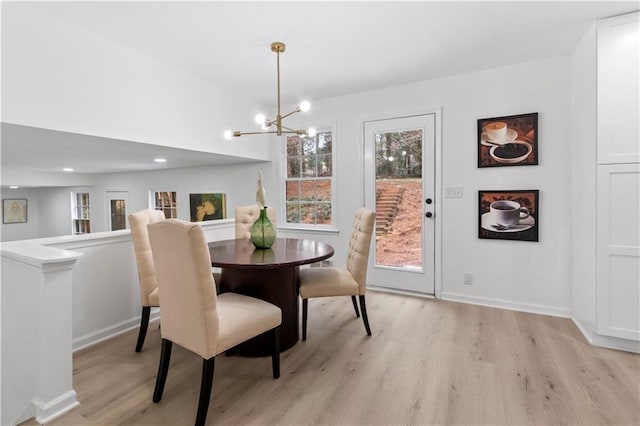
(309, 165)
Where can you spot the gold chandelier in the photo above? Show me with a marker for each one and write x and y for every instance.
(278, 48)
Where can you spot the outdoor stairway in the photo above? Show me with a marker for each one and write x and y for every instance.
(387, 201)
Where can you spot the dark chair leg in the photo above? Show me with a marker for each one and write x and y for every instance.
(205, 390)
(144, 324)
(304, 318)
(163, 368)
(275, 352)
(355, 306)
(365, 319)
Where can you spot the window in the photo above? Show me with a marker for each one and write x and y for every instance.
(309, 182)
(80, 223)
(166, 202)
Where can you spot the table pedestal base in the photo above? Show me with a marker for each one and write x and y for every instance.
(278, 286)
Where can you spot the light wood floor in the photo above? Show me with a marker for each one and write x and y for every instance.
(428, 362)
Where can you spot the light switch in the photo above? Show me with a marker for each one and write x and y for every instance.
(453, 192)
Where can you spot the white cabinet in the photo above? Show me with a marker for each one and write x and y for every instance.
(618, 178)
(618, 87)
(618, 253)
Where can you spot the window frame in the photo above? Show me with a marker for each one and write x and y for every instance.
(333, 226)
(152, 203)
(80, 223)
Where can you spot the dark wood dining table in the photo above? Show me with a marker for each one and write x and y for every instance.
(272, 275)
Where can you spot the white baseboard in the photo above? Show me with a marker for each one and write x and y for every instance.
(508, 304)
(112, 331)
(403, 292)
(50, 410)
(586, 328)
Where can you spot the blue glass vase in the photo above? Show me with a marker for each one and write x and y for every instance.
(263, 232)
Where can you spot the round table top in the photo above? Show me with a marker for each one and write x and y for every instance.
(242, 254)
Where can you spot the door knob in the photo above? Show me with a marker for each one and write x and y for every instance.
(428, 201)
(429, 214)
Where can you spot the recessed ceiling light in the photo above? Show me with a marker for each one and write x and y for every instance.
(67, 169)
(13, 187)
(160, 160)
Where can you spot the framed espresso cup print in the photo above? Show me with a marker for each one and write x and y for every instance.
(508, 215)
(508, 141)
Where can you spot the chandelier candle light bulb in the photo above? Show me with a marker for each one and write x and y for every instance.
(260, 118)
(305, 106)
(263, 232)
(266, 123)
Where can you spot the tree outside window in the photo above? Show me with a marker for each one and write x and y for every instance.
(309, 182)
(399, 155)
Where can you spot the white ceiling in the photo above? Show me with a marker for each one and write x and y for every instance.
(47, 151)
(333, 48)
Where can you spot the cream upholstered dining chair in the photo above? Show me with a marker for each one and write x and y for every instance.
(247, 215)
(138, 222)
(350, 281)
(193, 316)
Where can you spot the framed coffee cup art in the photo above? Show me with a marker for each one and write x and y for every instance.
(508, 141)
(509, 215)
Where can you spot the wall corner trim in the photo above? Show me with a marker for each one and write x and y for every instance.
(47, 411)
(594, 339)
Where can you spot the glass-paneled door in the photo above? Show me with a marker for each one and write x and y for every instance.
(117, 204)
(400, 187)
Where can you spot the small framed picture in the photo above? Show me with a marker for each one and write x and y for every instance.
(508, 141)
(207, 207)
(508, 215)
(14, 210)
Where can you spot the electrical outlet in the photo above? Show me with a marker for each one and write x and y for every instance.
(468, 279)
(453, 192)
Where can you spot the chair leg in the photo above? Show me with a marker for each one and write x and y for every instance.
(355, 306)
(304, 318)
(365, 319)
(144, 324)
(205, 390)
(275, 352)
(163, 368)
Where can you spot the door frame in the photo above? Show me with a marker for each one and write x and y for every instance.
(109, 195)
(437, 112)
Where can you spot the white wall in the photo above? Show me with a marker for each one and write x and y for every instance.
(522, 275)
(583, 181)
(529, 276)
(48, 211)
(110, 90)
(237, 181)
(57, 76)
(50, 208)
(55, 217)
